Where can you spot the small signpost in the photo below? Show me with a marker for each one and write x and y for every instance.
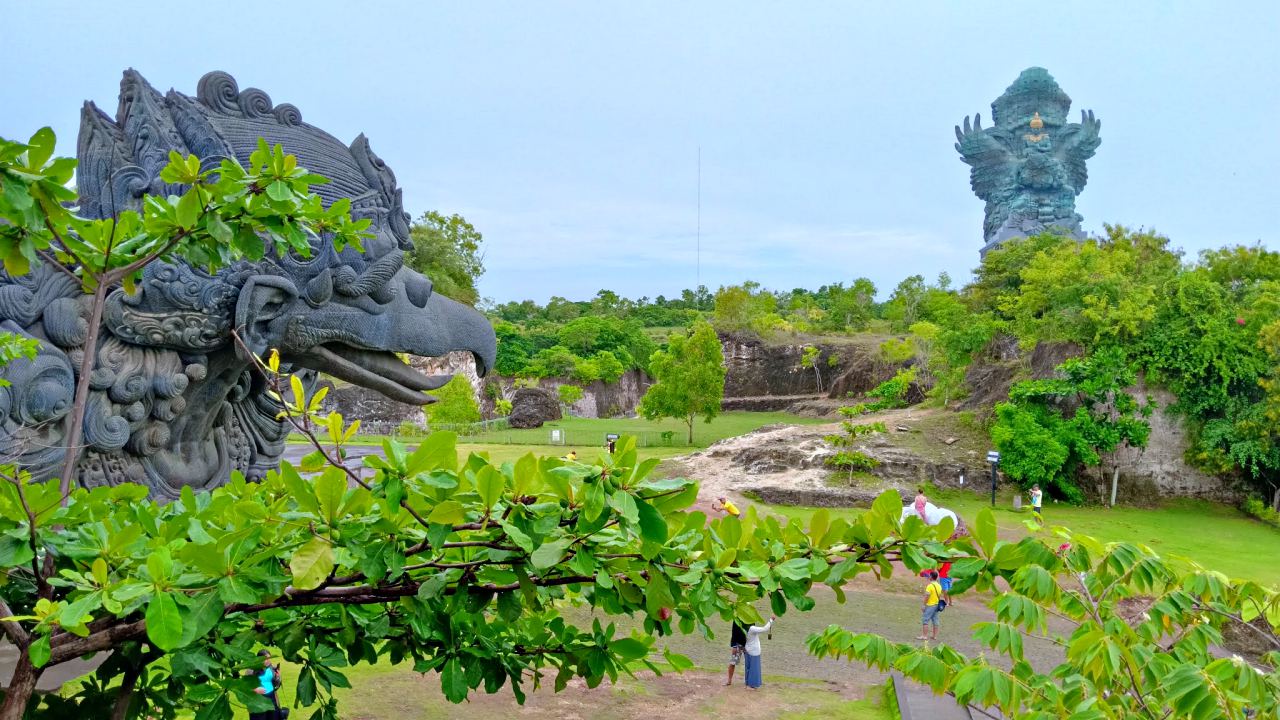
(557, 437)
(993, 457)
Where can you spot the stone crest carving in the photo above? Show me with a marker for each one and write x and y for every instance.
(174, 402)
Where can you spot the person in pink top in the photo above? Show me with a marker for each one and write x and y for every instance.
(921, 501)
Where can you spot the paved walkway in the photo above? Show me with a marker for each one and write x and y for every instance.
(54, 677)
(917, 702)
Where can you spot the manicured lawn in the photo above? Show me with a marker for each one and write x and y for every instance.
(503, 453)
(1215, 535)
(590, 432)
(583, 433)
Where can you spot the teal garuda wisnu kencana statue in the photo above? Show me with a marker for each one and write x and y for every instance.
(1030, 165)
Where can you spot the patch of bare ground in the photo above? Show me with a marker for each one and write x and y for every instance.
(787, 464)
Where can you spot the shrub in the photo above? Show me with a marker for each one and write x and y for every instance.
(1256, 507)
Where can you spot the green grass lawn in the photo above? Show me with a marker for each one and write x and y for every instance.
(591, 431)
(585, 433)
(502, 453)
(1215, 535)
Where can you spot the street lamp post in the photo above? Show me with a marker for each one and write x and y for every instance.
(993, 457)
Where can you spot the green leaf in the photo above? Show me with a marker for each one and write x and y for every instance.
(984, 529)
(38, 652)
(160, 565)
(189, 209)
(625, 505)
(330, 488)
(199, 616)
(677, 661)
(219, 709)
(889, 507)
(629, 648)
(453, 681)
(447, 513)
(549, 554)
(164, 622)
(40, 148)
(818, 525)
(653, 527)
(279, 191)
(14, 551)
(311, 564)
(490, 483)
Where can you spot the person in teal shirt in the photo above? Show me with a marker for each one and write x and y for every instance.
(268, 680)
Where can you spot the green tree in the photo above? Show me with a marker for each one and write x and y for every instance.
(456, 404)
(447, 250)
(1041, 442)
(809, 355)
(689, 378)
(903, 307)
(924, 339)
(851, 308)
(847, 457)
(569, 394)
(1102, 290)
(1139, 634)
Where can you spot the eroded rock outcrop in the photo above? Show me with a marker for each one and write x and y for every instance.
(531, 407)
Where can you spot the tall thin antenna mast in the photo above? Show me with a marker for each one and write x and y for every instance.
(698, 261)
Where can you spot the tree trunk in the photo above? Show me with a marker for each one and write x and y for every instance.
(21, 687)
(124, 695)
(689, 422)
(1115, 480)
(75, 430)
(1275, 500)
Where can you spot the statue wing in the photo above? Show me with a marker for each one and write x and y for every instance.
(992, 165)
(1079, 142)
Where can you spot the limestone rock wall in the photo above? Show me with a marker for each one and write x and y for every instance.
(756, 369)
(599, 399)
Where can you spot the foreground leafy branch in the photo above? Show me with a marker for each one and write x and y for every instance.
(458, 567)
(1141, 636)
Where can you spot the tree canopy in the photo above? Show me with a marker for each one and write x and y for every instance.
(688, 378)
(447, 250)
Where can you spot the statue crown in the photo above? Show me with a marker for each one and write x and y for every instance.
(1034, 93)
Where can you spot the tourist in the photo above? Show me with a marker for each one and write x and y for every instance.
(571, 456)
(724, 505)
(268, 682)
(737, 641)
(755, 677)
(920, 503)
(611, 445)
(932, 597)
(944, 581)
(1037, 497)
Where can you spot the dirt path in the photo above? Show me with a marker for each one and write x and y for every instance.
(782, 464)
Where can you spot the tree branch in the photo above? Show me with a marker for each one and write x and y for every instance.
(15, 632)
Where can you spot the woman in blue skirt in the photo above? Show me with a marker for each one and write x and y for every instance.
(755, 676)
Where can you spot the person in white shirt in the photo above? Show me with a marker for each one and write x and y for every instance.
(752, 650)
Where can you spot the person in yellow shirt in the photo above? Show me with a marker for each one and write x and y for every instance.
(932, 596)
(571, 456)
(724, 505)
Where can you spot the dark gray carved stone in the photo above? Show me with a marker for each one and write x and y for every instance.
(531, 407)
(174, 402)
(1029, 166)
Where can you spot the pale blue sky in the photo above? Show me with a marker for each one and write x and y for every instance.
(568, 132)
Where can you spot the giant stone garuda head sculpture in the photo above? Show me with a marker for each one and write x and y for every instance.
(174, 401)
(1030, 165)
